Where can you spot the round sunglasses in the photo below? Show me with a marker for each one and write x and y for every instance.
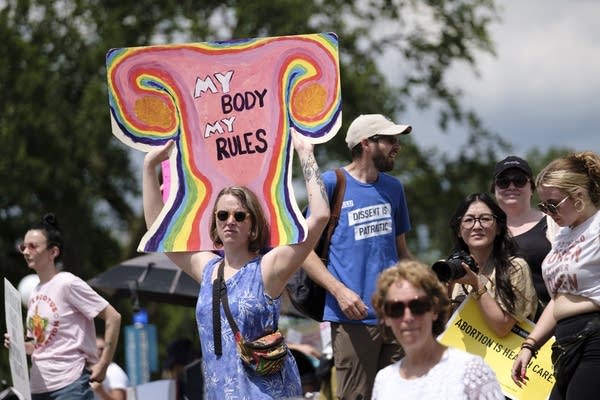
(239, 216)
(417, 306)
(517, 180)
(31, 246)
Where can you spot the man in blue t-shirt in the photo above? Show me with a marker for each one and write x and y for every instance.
(369, 237)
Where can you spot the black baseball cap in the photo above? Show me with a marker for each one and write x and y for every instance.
(512, 162)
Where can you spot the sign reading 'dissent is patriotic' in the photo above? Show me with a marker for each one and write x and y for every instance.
(229, 107)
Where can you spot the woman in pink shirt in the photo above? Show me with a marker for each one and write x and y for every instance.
(61, 337)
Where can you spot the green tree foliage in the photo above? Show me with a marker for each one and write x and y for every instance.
(57, 152)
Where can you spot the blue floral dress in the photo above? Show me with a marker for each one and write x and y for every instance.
(255, 313)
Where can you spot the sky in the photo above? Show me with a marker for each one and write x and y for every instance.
(541, 89)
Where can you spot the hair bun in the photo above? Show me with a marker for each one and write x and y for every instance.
(50, 220)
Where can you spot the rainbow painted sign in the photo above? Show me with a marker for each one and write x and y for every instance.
(229, 107)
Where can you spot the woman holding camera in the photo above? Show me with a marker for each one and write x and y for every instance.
(499, 282)
(569, 188)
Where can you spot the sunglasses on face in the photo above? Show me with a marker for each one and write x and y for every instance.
(386, 138)
(417, 306)
(551, 208)
(30, 246)
(518, 180)
(239, 216)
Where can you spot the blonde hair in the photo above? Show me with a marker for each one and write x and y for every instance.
(420, 276)
(573, 172)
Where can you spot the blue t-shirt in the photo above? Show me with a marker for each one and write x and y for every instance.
(363, 244)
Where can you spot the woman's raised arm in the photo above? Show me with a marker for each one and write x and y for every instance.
(280, 263)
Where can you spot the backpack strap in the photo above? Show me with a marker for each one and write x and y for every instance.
(336, 208)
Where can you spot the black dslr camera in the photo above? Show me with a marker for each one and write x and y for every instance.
(451, 268)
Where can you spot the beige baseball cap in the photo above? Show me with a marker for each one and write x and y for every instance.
(367, 125)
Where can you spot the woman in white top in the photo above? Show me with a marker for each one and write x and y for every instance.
(411, 301)
(569, 188)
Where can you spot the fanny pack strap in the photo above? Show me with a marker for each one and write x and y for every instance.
(220, 296)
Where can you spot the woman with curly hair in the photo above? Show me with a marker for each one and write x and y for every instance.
(412, 302)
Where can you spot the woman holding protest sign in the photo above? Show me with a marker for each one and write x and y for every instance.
(569, 188)
(489, 272)
(412, 302)
(246, 283)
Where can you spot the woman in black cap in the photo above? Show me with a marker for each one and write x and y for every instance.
(513, 188)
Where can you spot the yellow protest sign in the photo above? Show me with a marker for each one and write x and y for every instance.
(467, 330)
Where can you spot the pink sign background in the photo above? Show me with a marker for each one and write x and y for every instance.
(229, 107)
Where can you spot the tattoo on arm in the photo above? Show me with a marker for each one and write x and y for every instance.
(310, 169)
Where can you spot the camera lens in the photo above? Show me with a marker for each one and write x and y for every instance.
(448, 270)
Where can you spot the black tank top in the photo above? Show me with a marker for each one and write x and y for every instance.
(533, 247)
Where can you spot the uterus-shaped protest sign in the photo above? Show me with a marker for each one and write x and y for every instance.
(229, 107)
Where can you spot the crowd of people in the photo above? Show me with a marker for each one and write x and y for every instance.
(384, 308)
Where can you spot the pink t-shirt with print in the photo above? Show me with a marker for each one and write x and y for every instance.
(60, 319)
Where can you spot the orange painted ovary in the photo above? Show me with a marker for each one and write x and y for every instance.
(310, 101)
(154, 112)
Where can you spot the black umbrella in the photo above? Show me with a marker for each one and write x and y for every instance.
(152, 277)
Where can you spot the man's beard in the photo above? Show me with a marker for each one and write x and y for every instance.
(382, 162)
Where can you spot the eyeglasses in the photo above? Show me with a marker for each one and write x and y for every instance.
(387, 138)
(518, 180)
(30, 246)
(485, 220)
(417, 306)
(239, 216)
(550, 208)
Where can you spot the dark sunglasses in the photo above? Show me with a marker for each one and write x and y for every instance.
(387, 138)
(418, 306)
(518, 180)
(239, 216)
(550, 208)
